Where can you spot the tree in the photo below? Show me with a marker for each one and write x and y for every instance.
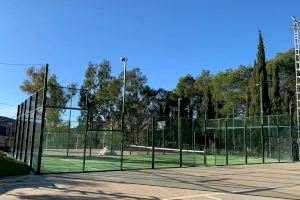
(203, 96)
(275, 89)
(260, 79)
(185, 90)
(88, 89)
(136, 112)
(285, 63)
(55, 94)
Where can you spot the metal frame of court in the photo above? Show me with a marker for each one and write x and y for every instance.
(29, 139)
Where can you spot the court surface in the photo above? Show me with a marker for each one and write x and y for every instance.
(262, 181)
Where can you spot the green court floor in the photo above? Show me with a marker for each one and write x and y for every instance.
(56, 164)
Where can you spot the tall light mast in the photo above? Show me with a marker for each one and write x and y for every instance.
(296, 28)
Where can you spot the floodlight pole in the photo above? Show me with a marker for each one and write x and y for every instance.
(296, 28)
(124, 61)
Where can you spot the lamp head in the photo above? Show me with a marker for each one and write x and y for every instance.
(123, 59)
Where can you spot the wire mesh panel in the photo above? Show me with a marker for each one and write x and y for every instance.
(63, 141)
(36, 129)
(138, 148)
(193, 143)
(255, 145)
(166, 142)
(285, 144)
(24, 130)
(210, 142)
(37, 134)
(30, 121)
(103, 150)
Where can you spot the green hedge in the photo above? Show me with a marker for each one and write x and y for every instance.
(10, 166)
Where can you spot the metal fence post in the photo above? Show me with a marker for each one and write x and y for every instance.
(278, 139)
(85, 139)
(27, 129)
(245, 144)
(152, 136)
(38, 171)
(122, 140)
(112, 140)
(294, 156)
(148, 139)
(19, 132)
(23, 131)
(180, 141)
(16, 131)
(33, 128)
(215, 147)
(262, 142)
(226, 141)
(205, 143)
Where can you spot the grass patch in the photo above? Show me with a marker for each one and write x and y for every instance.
(10, 166)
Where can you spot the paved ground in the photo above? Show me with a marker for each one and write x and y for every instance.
(269, 181)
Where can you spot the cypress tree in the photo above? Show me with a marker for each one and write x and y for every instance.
(260, 79)
(276, 101)
(254, 105)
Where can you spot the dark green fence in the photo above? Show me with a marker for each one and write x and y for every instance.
(55, 135)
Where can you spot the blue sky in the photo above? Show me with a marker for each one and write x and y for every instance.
(166, 39)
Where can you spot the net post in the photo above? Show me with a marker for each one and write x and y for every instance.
(152, 136)
(245, 144)
(226, 141)
(205, 142)
(38, 170)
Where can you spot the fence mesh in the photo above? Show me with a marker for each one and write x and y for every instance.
(70, 138)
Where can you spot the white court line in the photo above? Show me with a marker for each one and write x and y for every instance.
(213, 197)
(193, 196)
